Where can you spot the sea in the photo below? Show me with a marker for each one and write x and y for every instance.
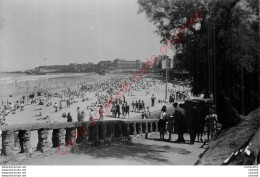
(22, 83)
(6, 78)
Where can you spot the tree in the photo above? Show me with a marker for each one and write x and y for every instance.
(220, 51)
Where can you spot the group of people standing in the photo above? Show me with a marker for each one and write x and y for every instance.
(124, 110)
(176, 122)
(178, 96)
(138, 106)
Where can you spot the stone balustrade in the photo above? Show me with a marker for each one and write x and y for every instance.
(71, 133)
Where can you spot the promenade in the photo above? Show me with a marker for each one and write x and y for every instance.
(41, 136)
(141, 152)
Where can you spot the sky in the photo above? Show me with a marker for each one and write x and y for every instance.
(73, 31)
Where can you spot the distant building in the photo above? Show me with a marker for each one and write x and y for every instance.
(127, 66)
(103, 67)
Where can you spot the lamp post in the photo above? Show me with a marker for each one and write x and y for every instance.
(166, 73)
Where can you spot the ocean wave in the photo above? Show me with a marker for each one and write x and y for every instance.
(11, 78)
(4, 79)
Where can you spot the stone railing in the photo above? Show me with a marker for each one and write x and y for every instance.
(107, 131)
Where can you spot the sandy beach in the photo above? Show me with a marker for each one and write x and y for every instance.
(31, 110)
(36, 113)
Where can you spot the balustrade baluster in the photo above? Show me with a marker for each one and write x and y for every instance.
(156, 126)
(70, 136)
(134, 124)
(25, 140)
(87, 132)
(84, 133)
(141, 129)
(113, 130)
(104, 131)
(97, 134)
(7, 142)
(146, 130)
(151, 127)
(146, 127)
(43, 144)
(120, 127)
(101, 129)
(127, 129)
(58, 137)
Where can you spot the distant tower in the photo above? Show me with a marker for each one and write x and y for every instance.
(44, 62)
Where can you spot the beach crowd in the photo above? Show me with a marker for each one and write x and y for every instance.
(111, 99)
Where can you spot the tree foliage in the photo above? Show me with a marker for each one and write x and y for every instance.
(221, 51)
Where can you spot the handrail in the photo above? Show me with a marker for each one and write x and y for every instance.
(60, 125)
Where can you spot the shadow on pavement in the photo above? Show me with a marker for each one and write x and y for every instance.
(136, 151)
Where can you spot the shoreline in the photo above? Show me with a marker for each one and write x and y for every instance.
(52, 78)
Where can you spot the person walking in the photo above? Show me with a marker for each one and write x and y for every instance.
(56, 107)
(124, 98)
(68, 103)
(127, 108)
(60, 105)
(143, 106)
(133, 104)
(123, 110)
(118, 110)
(153, 100)
(136, 105)
(78, 114)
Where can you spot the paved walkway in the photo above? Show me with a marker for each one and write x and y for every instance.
(143, 152)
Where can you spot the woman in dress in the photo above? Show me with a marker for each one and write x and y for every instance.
(211, 121)
(162, 122)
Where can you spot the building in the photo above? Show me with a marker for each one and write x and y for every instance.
(124, 66)
(173, 67)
